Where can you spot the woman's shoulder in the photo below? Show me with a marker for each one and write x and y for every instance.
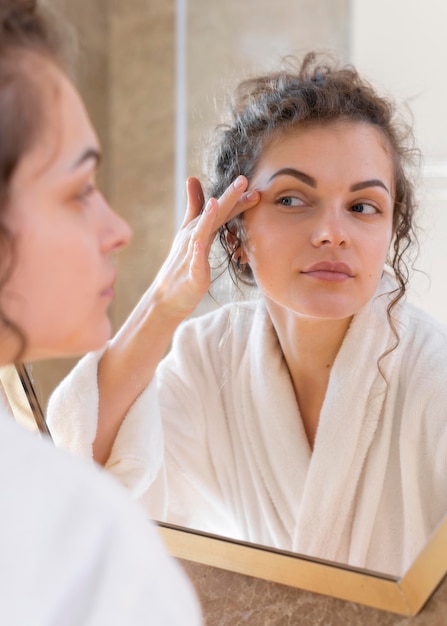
(37, 464)
(421, 326)
(423, 340)
(41, 488)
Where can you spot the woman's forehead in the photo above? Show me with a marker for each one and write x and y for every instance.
(360, 146)
(65, 129)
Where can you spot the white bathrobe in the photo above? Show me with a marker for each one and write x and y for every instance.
(236, 458)
(74, 548)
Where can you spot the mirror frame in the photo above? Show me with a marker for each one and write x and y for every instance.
(405, 596)
(19, 394)
(33, 401)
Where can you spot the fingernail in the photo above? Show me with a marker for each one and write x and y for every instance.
(239, 182)
(252, 195)
(208, 205)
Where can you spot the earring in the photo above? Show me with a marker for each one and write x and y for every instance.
(238, 263)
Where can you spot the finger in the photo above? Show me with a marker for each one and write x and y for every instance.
(232, 202)
(247, 201)
(205, 230)
(195, 200)
(199, 267)
(235, 200)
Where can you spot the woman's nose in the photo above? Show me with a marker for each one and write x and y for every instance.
(116, 231)
(330, 229)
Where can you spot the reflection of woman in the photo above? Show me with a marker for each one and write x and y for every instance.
(313, 418)
(73, 548)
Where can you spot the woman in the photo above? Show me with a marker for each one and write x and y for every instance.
(74, 549)
(312, 419)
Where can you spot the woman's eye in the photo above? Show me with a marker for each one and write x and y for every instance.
(364, 208)
(86, 192)
(290, 201)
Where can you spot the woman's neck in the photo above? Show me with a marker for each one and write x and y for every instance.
(310, 346)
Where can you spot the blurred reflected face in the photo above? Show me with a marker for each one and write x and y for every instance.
(318, 239)
(66, 235)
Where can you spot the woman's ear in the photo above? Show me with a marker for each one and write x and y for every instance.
(233, 242)
(236, 247)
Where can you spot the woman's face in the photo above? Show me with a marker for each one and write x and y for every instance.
(318, 239)
(66, 235)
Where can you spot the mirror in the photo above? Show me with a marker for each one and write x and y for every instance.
(117, 38)
(252, 49)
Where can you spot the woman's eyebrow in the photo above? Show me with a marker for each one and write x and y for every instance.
(375, 182)
(290, 171)
(89, 153)
(309, 180)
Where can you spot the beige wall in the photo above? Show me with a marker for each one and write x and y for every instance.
(226, 41)
(126, 74)
(415, 76)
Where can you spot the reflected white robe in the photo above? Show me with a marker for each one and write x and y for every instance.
(237, 461)
(75, 549)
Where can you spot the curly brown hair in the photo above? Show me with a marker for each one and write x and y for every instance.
(319, 91)
(25, 29)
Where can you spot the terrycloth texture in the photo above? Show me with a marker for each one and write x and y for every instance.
(72, 417)
(74, 547)
(237, 460)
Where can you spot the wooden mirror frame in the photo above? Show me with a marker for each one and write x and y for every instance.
(406, 595)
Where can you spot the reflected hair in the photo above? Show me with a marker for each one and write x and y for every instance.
(27, 32)
(317, 91)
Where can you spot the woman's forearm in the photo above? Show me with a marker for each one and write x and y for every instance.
(127, 367)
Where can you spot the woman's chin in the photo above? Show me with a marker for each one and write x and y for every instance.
(69, 347)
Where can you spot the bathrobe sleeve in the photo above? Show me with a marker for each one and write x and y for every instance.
(195, 488)
(72, 418)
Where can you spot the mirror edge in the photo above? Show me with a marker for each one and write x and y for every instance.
(427, 571)
(404, 596)
(18, 394)
(33, 401)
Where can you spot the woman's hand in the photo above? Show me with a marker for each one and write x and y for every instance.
(184, 277)
(132, 356)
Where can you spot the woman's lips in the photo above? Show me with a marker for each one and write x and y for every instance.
(329, 270)
(109, 289)
(108, 293)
